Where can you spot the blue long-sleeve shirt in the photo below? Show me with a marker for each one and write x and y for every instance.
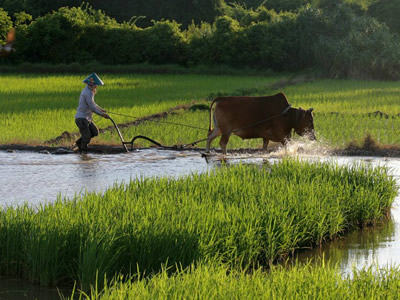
(87, 106)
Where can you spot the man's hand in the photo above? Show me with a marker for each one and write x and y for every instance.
(106, 116)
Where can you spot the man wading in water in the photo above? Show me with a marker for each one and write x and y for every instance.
(86, 108)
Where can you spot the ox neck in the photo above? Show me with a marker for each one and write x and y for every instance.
(296, 115)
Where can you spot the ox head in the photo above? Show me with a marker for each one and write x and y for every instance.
(305, 123)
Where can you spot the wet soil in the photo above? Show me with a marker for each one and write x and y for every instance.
(351, 150)
(369, 147)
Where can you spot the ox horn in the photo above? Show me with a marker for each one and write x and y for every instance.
(311, 109)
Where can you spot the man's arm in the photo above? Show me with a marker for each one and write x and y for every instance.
(95, 108)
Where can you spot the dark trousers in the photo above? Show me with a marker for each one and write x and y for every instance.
(87, 130)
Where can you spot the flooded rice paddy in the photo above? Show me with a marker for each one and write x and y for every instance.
(37, 178)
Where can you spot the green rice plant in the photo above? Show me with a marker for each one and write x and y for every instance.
(242, 215)
(208, 281)
(343, 129)
(346, 111)
(36, 108)
(346, 96)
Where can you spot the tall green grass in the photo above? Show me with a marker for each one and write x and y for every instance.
(344, 110)
(217, 282)
(346, 96)
(242, 216)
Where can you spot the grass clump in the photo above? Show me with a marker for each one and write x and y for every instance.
(243, 216)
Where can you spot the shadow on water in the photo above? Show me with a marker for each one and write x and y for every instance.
(37, 178)
(18, 289)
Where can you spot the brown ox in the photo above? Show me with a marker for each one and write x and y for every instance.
(270, 118)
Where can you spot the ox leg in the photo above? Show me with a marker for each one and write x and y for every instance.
(223, 142)
(265, 144)
(210, 137)
(286, 141)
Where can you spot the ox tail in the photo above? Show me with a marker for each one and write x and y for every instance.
(210, 124)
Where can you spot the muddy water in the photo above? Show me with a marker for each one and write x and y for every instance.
(37, 178)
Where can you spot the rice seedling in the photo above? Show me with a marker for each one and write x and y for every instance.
(243, 216)
(347, 111)
(346, 96)
(208, 281)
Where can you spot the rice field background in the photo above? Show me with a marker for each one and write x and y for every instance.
(345, 111)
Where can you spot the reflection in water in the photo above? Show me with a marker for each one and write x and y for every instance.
(359, 248)
(37, 178)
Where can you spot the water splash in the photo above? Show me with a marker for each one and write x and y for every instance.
(303, 147)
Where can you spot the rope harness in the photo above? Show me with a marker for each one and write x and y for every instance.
(265, 120)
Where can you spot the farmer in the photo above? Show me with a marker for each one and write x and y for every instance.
(86, 108)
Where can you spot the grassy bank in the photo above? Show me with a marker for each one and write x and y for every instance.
(299, 282)
(243, 216)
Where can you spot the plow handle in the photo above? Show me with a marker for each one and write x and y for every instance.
(120, 135)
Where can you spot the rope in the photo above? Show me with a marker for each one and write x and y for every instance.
(171, 123)
(194, 127)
